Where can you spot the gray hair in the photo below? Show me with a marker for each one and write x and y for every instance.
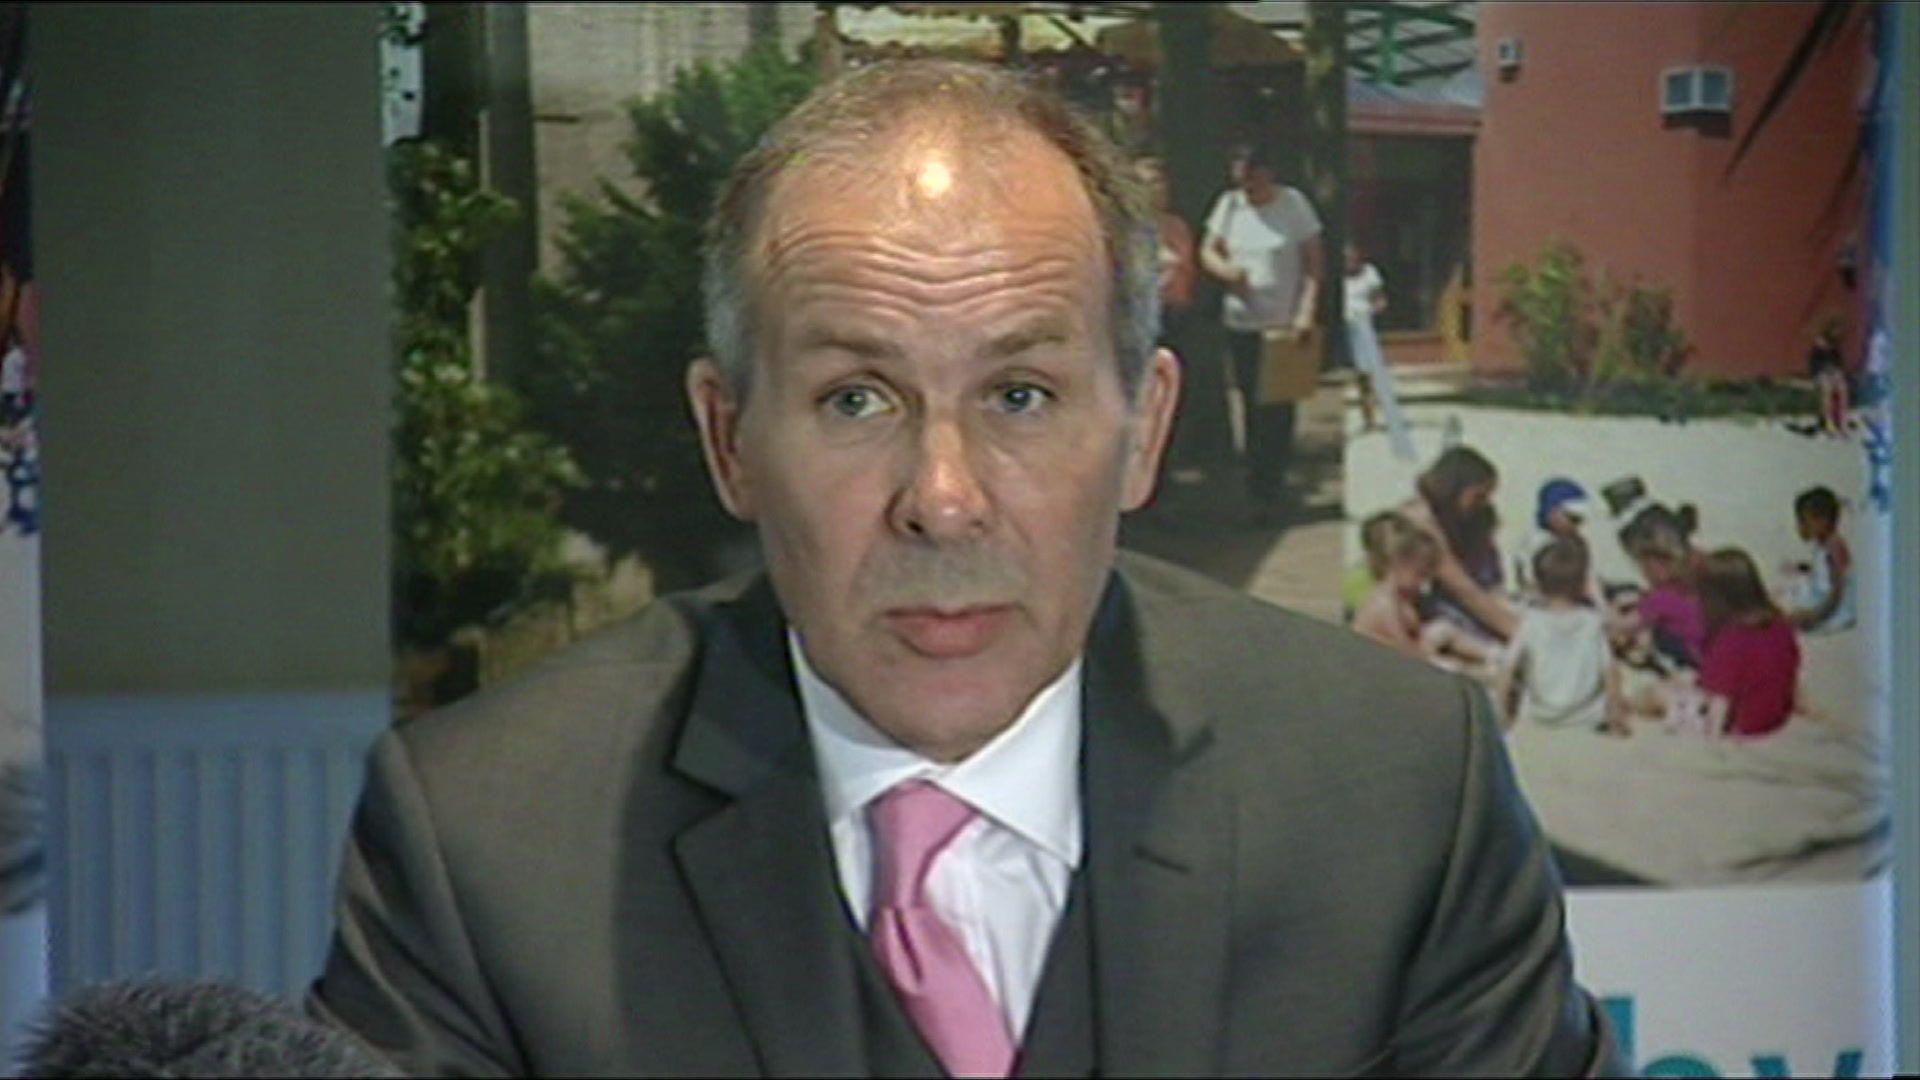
(843, 120)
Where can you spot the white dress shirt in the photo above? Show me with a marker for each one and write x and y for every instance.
(1002, 882)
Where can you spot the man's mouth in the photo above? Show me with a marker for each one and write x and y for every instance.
(949, 633)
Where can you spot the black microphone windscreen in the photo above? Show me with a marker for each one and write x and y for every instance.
(189, 1029)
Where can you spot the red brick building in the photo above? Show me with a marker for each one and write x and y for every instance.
(1573, 143)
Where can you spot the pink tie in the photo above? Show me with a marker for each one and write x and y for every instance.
(922, 956)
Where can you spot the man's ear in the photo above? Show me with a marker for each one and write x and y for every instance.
(1156, 399)
(717, 410)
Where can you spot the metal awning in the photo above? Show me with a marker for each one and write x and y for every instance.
(976, 31)
(1412, 64)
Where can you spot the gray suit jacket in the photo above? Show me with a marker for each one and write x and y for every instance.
(1304, 855)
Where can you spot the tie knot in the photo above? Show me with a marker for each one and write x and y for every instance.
(911, 823)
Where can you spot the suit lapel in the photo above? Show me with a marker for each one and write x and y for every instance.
(1160, 852)
(760, 869)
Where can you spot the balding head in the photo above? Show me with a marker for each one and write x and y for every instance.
(904, 135)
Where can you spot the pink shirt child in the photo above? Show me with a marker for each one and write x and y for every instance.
(1674, 612)
(1755, 668)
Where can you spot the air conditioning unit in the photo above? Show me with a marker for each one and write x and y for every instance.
(1696, 89)
(1507, 55)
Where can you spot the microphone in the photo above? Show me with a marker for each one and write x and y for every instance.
(155, 1028)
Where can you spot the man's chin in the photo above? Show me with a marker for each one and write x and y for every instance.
(947, 709)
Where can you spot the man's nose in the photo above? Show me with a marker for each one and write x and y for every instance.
(943, 498)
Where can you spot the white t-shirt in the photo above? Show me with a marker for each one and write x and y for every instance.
(1362, 287)
(1563, 657)
(1810, 590)
(13, 371)
(1268, 242)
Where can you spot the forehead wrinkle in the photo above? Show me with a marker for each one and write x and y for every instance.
(1019, 290)
(1009, 186)
(926, 251)
(1056, 281)
(849, 236)
(886, 162)
(836, 320)
(851, 267)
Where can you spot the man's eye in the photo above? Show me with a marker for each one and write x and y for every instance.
(856, 402)
(1017, 398)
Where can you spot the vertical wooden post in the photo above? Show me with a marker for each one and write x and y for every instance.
(826, 41)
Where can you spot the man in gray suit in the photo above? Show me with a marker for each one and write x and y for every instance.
(953, 787)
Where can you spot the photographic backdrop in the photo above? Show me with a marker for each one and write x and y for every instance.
(1630, 256)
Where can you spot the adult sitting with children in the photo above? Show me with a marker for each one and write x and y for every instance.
(1453, 503)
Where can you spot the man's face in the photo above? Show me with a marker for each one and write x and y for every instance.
(937, 446)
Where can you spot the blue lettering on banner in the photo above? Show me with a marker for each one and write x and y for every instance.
(1766, 1064)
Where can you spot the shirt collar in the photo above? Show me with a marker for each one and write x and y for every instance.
(1027, 778)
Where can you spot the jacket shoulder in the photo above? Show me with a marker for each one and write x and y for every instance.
(1256, 646)
(1285, 682)
(596, 699)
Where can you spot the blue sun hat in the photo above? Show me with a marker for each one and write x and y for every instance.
(1561, 493)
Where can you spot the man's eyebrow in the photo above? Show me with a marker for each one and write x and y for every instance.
(852, 342)
(1019, 340)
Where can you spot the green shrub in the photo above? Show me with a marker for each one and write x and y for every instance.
(619, 321)
(1587, 344)
(1549, 307)
(1639, 340)
(1677, 399)
(475, 489)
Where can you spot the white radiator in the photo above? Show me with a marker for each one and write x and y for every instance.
(199, 836)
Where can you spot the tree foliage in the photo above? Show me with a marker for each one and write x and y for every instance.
(621, 318)
(475, 489)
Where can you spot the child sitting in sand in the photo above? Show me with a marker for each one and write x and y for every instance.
(1819, 591)
(1404, 567)
(1560, 508)
(1558, 669)
(1751, 665)
(1668, 614)
(1357, 584)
